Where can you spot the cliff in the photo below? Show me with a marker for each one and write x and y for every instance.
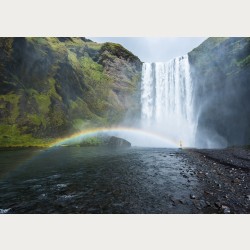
(51, 87)
(220, 70)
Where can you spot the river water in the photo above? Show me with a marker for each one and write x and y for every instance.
(96, 180)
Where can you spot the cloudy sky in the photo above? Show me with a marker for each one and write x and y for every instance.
(155, 49)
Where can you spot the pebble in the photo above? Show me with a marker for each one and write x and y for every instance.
(208, 203)
(192, 196)
(207, 192)
(236, 180)
(248, 197)
(217, 204)
(225, 209)
(202, 203)
(176, 201)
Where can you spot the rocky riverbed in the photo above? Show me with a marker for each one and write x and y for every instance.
(225, 176)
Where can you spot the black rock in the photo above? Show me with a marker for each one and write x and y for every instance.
(118, 142)
(217, 204)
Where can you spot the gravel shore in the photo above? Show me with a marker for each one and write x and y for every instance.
(225, 177)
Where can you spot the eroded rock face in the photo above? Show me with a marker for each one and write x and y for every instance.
(52, 87)
(220, 70)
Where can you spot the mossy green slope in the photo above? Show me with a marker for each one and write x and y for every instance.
(51, 87)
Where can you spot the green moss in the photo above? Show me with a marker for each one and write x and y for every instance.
(36, 119)
(10, 136)
(37, 40)
(43, 102)
(61, 85)
(52, 90)
(73, 60)
(13, 100)
(78, 124)
(94, 46)
(119, 51)
(91, 141)
(57, 118)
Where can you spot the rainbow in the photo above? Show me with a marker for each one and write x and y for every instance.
(95, 131)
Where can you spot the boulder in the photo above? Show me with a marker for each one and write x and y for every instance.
(118, 142)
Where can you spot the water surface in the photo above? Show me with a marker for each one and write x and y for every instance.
(95, 180)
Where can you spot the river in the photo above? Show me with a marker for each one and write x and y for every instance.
(96, 180)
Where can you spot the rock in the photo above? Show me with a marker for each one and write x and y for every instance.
(225, 209)
(192, 196)
(236, 180)
(248, 197)
(208, 192)
(118, 142)
(86, 88)
(217, 204)
(202, 203)
(177, 201)
(208, 203)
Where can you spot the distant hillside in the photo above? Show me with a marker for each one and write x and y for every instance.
(52, 87)
(220, 69)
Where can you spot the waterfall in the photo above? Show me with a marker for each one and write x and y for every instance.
(167, 100)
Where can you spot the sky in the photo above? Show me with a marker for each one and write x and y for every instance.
(152, 49)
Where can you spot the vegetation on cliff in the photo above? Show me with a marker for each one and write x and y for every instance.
(51, 87)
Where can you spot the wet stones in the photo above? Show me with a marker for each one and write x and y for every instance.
(176, 202)
(208, 203)
(208, 192)
(217, 204)
(248, 197)
(236, 181)
(203, 203)
(192, 196)
(225, 209)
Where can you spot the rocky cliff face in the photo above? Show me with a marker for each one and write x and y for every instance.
(220, 69)
(51, 87)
